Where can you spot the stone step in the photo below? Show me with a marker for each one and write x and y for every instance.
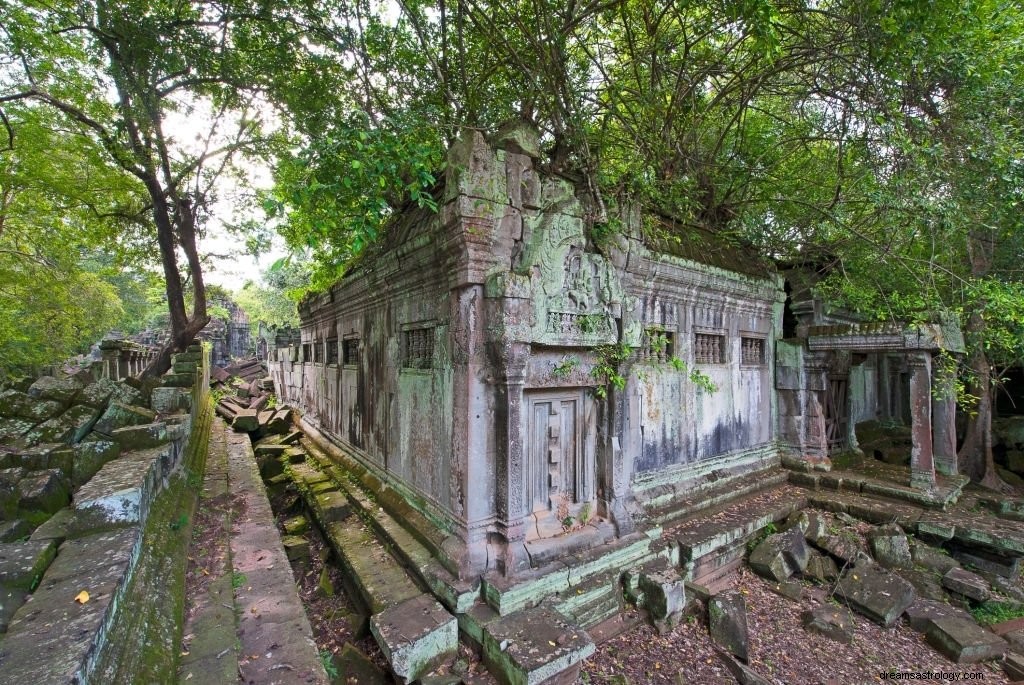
(417, 558)
(414, 631)
(886, 484)
(531, 587)
(535, 645)
(593, 601)
(716, 494)
(729, 526)
(963, 524)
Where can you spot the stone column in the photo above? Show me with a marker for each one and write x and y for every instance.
(509, 452)
(124, 363)
(922, 467)
(944, 420)
(111, 350)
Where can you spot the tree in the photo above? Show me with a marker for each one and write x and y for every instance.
(119, 72)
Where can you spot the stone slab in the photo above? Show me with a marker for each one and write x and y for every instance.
(141, 437)
(880, 595)
(964, 641)
(967, 584)
(923, 612)
(120, 489)
(22, 564)
(835, 623)
(727, 623)
(415, 636)
(531, 646)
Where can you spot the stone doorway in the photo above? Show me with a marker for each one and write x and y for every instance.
(559, 464)
(836, 413)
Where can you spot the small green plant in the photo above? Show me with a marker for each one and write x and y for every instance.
(178, 523)
(218, 394)
(997, 612)
(591, 323)
(606, 370)
(271, 401)
(237, 579)
(770, 529)
(327, 659)
(584, 514)
(565, 367)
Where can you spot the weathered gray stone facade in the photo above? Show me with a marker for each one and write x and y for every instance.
(461, 361)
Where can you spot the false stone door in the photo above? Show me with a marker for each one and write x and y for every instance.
(560, 450)
(836, 413)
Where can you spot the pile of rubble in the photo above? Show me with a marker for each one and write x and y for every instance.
(883, 574)
(246, 398)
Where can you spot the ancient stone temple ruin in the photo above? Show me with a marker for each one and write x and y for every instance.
(523, 383)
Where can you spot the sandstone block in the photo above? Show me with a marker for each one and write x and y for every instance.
(964, 641)
(923, 612)
(664, 593)
(246, 420)
(880, 595)
(22, 564)
(727, 623)
(61, 390)
(535, 645)
(45, 491)
(415, 636)
(932, 558)
(967, 584)
(890, 547)
(835, 623)
(120, 415)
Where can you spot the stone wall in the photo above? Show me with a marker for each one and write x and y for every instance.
(467, 359)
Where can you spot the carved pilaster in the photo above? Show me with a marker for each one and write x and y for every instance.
(922, 468)
(944, 419)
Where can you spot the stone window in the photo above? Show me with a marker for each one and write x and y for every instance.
(709, 348)
(752, 351)
(350, 352)
(658, 345)
(418, 348)
(307, 352)
(332, 350)
(318, 353)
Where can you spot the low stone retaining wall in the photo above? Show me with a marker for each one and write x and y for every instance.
(61, 632)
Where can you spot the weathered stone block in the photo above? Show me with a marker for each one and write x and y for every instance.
(664, 593)
(964, 641)
(835, 623)
(119, 415)
(532, 646)
(332, 506)
(967, 584)
(844, 548)
(296, 547)
(297, 525)
(22, 564)
(927, 584)
(169, 400)
(933, 559)
(355, 667)
(821, 568)
(1013, 666)
(89, 457)
(61, 390)
(923, 612)
(14, 430)
(880, 595)
(178, 380)
(45, 491)
(890, 547)
(14, 404)
(1006, 567)
(70, 427)
(14, 530)
(11, 600)
(140, 437)
(415, 636)
(246, 421)
(778, 556)
(727, 623)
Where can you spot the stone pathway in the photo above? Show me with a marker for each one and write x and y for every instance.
(248, 622)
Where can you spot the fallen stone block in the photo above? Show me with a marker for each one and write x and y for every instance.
(416, 636)
(1006, 567)
(927, 584)
(727, 623)
(890, 547)
(89, 457)
(61, 390)
(835, 623)
(69, 427)
(45, 491)
(119, 415)
(296, 547)
(14, 430)
(246, 421)
(355, 667)
(141, 437)
(968, 584)
(45, 456)
(778, 556)
(11, 600)
(18, 405)
(532, 646)
(743, 674)
(22, 564)
(170, 400)
(664, 594)
(844, 548)
(821, 568)
(178, 380)
(332, 506)
(1013, 666)
(880, 595)
(964, 641)
(923, 612)
(14, 530)
(932, 558)
(790, 589)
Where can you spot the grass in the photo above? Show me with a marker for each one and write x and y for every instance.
(327, 659)
(997, 612)
(237, 579)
